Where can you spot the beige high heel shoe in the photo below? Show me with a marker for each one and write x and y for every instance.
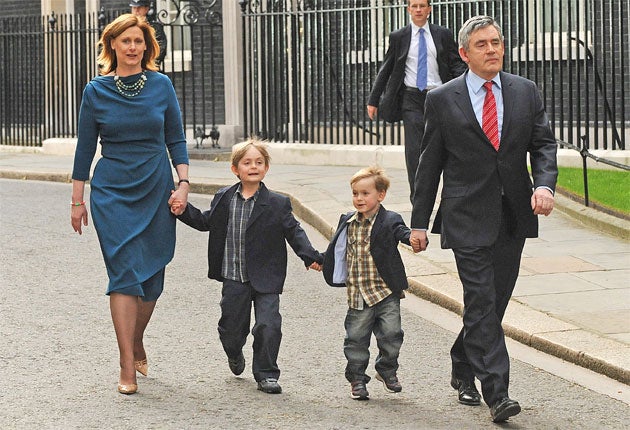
(142, 366)
(127, 389)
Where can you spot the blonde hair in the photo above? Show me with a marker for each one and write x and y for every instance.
(239, 150)
(381, 181)
(107, 56)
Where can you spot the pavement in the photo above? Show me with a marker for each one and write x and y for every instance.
(572, 297)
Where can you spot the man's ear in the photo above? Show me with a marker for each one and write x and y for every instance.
(463, 55)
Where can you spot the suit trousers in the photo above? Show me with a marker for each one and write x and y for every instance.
(488, 276)
(412, 112)
(236, 302)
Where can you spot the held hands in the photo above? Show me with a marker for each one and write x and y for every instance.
(418, 240)
(178, 200)
(315, 266)
(542, 201)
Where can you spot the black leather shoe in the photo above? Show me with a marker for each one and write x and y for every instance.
(269, 386)
(467, 393)
(359, 391)
(504, 409)
(237, 365)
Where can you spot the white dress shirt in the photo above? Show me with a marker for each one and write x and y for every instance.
(411, 66)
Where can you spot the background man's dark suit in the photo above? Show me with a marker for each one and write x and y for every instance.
(397, 103)
(485, 210)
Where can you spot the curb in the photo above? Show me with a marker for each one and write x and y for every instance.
(50, 177)
(603, 222)
(595, 219)
(579, 358)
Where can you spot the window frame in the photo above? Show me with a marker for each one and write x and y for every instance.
(544, 43)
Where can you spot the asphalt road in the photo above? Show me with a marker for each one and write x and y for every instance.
(58, 354)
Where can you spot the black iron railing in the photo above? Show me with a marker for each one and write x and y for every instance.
(47, 61)
(310, 64)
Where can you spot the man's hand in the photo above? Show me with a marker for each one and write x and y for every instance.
(542, 201)
(371, 111)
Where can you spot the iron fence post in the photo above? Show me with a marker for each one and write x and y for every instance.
(584, 154)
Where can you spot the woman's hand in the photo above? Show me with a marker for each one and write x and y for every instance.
(78, 216)
(179, 199)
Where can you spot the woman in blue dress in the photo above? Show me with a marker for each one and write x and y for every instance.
(134, 111)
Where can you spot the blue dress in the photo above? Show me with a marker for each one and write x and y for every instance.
(133, 179)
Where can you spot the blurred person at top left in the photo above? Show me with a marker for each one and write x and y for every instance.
(134, 112)
(141, 8)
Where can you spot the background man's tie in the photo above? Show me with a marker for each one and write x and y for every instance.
(421, 79)
(489, 121)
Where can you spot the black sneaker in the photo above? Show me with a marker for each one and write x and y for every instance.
(359, 391)
(237, 365)
(269, 386)
(391, 384)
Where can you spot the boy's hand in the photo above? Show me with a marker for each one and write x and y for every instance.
(419, 240)
(315, 266)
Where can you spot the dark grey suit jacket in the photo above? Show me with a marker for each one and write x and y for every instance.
(270, 224)
(391, 76)
(474, 174)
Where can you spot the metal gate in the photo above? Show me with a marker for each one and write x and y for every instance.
(47, 61)
(309, 64)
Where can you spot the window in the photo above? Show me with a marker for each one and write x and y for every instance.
(383, 18)
(178, 34)
(556, 30)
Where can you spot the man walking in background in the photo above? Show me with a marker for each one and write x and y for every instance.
(420, 57)
(141, 8)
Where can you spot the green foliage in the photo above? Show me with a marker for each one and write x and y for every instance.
(608, 188)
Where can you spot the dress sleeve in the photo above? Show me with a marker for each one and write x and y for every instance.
(174, 129)
(88, 132)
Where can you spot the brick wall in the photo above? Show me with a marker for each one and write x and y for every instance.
(21, 7)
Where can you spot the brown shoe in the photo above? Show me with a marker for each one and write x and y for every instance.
(391, 384)
(359, 391)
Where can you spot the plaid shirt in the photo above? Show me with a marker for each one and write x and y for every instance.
(364, 284)
(234, 266)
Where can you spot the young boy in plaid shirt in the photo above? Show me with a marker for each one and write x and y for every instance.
(363, 257)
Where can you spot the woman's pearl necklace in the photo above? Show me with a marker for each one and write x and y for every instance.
(130, 90)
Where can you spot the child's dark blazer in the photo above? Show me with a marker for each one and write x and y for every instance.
(270, 223)
(388, 230)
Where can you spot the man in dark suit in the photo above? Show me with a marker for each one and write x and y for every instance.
(480, 128)
(397, 79)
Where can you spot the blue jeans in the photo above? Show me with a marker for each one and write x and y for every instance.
(382, 319)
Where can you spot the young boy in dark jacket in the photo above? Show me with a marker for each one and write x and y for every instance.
(248, 227)
(363, 256)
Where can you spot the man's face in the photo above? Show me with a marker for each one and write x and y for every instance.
(484, 53)
(140, 10)
(419, 11)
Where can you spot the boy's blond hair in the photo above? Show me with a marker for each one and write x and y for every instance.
(239, 150)
(381, 181)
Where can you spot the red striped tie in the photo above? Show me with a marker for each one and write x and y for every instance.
(489, 121)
